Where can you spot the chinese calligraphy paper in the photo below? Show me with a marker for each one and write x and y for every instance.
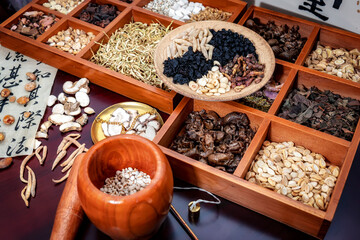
(20, 136)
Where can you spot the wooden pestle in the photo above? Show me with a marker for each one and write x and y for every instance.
(69, 213)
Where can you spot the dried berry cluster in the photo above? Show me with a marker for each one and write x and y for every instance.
(34, 23)
(100, 15)
(323, 111)
(191, 66)
(217, 141)
(228, 44)
(242, 71)
(285, 42)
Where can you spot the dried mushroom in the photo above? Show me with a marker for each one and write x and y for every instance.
(218, 141)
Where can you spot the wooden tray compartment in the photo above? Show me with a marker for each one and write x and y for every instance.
(335, 38)
(237, 8)
(281, 75)
(64, 26)
(41, 2)
(119, 5)
(308, 80)
(310, 220)
(161, 99)
(306, 29)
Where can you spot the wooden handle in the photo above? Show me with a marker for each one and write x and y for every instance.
(69, 213)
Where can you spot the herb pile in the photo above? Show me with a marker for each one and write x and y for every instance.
(130, 51)
(322, 110)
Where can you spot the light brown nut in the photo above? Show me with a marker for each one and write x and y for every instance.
(12, 99)
(8, 119)
(31, 76)
(23, 100)
(5, 93)
(5, 162)
(30, 86)
(2, 136)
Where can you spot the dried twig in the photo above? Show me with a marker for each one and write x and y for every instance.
(58, 158)
(22, 167)
(63, 178)
(23, 196)
(33, 181)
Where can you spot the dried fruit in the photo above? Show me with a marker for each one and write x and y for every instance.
(2, 136)
(5, 93)
(5, 162)
(23, 100)
(31, 76)
(30, 86)
(27, 114)
(12, 99)
(8, 119)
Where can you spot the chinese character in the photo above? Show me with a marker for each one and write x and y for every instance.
(10, 81)
(3, 102)
(26, 123)
(314, 9)
(18, 148)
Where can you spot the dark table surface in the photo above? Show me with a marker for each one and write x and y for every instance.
(224, 221)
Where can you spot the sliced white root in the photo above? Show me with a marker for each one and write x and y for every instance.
(70, 126)
(82, 98)
(144, 117)
(62, 98)
(59, 119)
(40, 134)
(58, 108)
(89, 110)
(44, 127)
(71, 100)
(155, 124)
(73, 87)
(104, 127)
(37, 144)
(150, 133)
(82, 120)
(51, 100)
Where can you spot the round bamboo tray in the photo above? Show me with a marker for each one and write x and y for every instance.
(263, 49)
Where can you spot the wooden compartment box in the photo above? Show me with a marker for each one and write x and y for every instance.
(269, 127)
(335, 38)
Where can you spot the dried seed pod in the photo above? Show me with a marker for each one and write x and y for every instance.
(23, 100)
(8, 119)
(5, 92)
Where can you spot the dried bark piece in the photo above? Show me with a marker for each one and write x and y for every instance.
(22, 167)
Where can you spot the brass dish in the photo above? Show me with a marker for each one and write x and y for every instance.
(96, 130)
(263, 49)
